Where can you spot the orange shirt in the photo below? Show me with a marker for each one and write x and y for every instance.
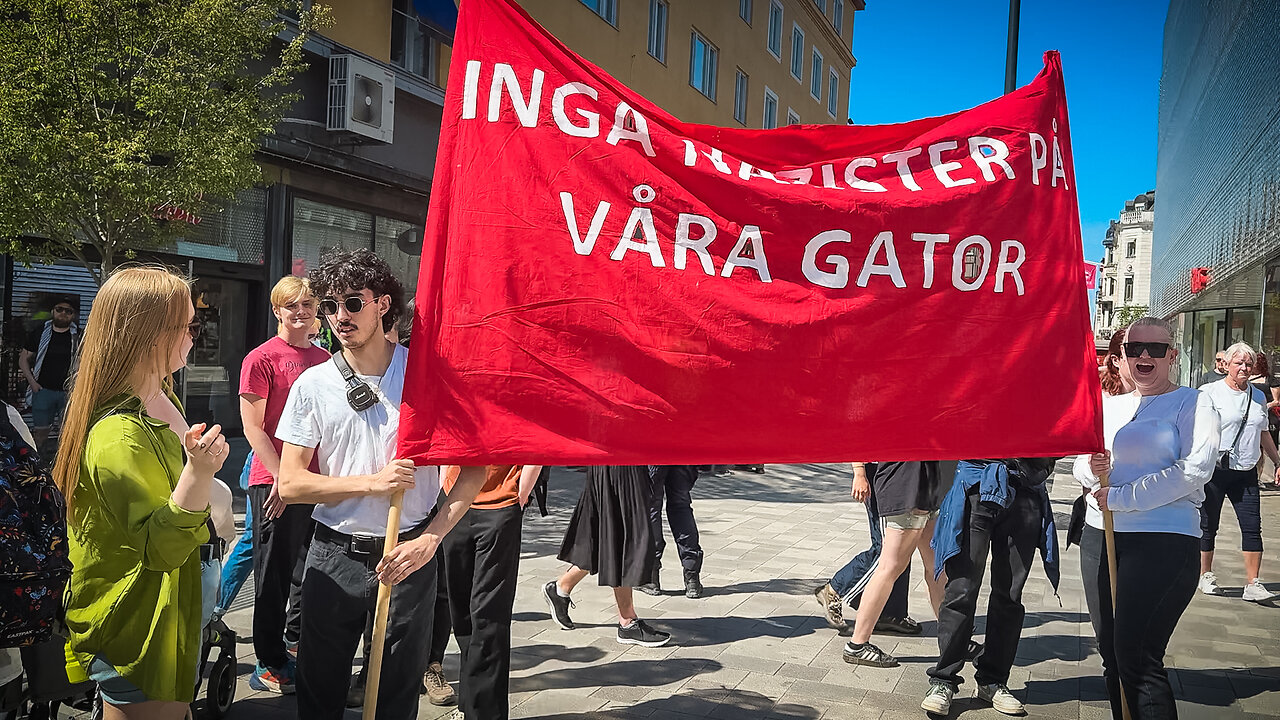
(501, 486)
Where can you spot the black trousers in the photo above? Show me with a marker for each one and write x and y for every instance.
(676, 482)
(1241, 488)
(482, 559)
(1010, 536)
(1156, 576)
(278, 547)
(1093, 552)
(339, 592)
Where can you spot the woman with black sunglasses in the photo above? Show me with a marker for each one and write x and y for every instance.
(1242, 408)
(1162, 443)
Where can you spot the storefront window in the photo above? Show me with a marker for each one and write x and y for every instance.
(1209, 335)
(318, 228)
(400, 244)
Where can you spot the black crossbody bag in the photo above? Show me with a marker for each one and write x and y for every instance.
(360, 396)
(1224, 462)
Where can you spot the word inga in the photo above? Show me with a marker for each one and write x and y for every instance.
(694, 234)
(945, 158)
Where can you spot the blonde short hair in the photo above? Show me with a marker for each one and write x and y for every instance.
(289, 289)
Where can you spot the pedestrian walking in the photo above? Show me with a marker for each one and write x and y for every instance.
(1219, 368)
(345, 415)
(1244, 437)
(482, 561)
(137, 514)
(847, 584)
(280, 532)
(1162, 443)
(997, 509)
(609, 536)
(910, 494)
(674, 484)
(45, 361)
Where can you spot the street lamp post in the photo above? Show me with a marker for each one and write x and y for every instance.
(1011, 55)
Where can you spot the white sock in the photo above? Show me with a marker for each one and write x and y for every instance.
(629, 624)
(560, 592)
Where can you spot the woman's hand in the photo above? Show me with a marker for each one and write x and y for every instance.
(206, 450)
(1101, 496)
(1277, 477)
(1100, 463)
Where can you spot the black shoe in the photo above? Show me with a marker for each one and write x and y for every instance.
(692, 584)
(355, 694)
(650, 588)
(559, 606)
(868, 654)
(900, 626)
(972, 650)
(639, 633)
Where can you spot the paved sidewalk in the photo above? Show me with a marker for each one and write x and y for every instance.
(757, 647)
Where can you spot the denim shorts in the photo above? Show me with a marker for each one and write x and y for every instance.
(115, 688)
(909, 520)
(46, 406)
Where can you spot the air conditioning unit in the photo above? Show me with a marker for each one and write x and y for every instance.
(361, 97)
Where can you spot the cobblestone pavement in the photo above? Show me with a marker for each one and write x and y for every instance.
(756, 645)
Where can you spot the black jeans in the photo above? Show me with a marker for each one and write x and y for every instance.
(278, 546)
(676, 482)
(482, 560)
(1010, 536)
(1241, 488)
(340, 591)
(1156, 578)
(1093, 552)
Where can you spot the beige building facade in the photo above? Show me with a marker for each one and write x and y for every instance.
(744, 63)
(1124, 280)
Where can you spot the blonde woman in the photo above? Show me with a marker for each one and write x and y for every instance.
(137, 511)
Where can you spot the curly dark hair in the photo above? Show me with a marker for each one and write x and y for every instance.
(354, 270)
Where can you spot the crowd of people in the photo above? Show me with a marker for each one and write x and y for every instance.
(149, 525)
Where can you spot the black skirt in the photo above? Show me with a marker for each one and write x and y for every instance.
(609, 534)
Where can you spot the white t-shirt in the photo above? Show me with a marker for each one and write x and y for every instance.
(348, 443)
(1163, 451)
(1230, 405)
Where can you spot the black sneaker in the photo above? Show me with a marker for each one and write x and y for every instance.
(650, 588)
(868, 654)
(559, 606)
(899, 626)
(639, 633)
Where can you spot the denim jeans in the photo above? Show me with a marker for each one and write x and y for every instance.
(237, 566)
(676, 483)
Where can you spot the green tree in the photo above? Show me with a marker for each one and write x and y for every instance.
(116, 112)
(1127, 314)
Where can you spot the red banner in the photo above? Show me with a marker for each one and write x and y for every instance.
(1090, 275)
(604, 284)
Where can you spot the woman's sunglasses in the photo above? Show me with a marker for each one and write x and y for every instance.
(1154, 349)
(353, 304)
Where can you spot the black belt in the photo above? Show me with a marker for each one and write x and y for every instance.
(360, 545)
(211, 551)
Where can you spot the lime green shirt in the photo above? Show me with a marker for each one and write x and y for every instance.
(134, 596)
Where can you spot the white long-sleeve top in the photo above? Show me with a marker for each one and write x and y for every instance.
(1163, 451)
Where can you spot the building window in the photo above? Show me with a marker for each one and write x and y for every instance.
(775, 29)
(770, 108)
(413, 47)
(973, 265)
(658, 29)
(1110, 256)
(837, 17)
(1128, 290)
(702, 65)
(822, 5)
(792, 117)
(740, 97)
(833, 94)
(607, 9)
(815, 76)
(1131, 250)
(744, 11)
(797, 52)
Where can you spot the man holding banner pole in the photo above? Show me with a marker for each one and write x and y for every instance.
(345, 414)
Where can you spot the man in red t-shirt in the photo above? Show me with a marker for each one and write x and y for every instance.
(280, 531)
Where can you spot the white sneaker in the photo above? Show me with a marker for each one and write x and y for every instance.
(938, 700)
(1209, 584)
(1001, 699)
(1256, 592)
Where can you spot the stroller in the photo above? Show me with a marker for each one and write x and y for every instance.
(220, 684)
